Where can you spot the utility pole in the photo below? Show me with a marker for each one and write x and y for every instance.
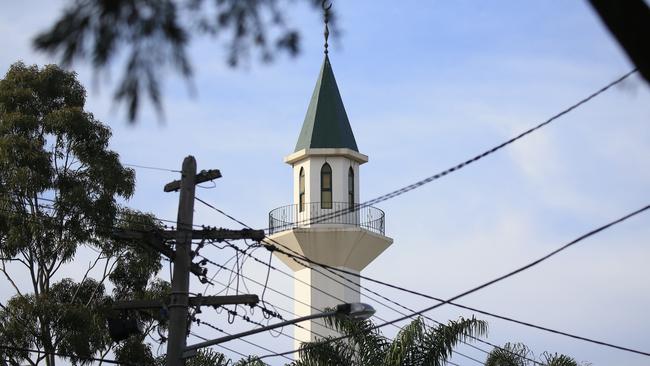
(179, 300)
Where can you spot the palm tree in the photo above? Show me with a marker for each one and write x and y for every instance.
(511, 354)
(518, 354)
(554, 359)
(417, 344)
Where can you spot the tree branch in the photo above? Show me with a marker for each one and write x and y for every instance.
(107, 272)
(4, 271)
(90, 267)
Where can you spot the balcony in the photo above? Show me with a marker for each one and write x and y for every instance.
(341, 213)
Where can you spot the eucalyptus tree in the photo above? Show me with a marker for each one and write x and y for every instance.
(60, 187)
(416, 344)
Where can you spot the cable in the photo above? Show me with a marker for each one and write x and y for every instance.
(65, 355)
(411, 310)
(442, 302)
(117, 218)
(467, 162)
(151, 168)
(223, 213)
(247, 319)
(356, 290)
(445, 302)
(509, 274)
(279, 293)
(291, 313)
(200, 322)
(342, 301)
(224, 347)
(387, 306)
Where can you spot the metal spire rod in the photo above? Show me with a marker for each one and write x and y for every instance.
(326, 11)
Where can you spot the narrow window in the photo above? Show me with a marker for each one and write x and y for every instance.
(351, 187)
(301, 190)
(326, 186)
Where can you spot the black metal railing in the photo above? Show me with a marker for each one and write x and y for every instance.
(312, 213)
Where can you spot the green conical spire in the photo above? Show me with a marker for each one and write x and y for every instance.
(326, 124)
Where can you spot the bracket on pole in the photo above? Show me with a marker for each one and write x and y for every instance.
(203, 176)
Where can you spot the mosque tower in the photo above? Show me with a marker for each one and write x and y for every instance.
(326, 223)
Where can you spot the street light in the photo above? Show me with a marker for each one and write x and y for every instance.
(355, 310)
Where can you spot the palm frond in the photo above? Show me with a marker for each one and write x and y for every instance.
(438, 343)
(511, 354)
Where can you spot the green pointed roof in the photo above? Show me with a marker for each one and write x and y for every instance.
(326, 124)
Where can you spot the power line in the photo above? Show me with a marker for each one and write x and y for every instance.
(151, 168)
(65, 355)
(338, 299)
(275, 291)
(222, 212)
(117, 218)
(503, 277)
(226, 348)
(201, 322)
(467, 162)
(286, 311)
(442, 302)
(354, 289)
(359, 292)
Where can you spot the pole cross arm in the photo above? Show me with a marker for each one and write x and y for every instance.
(219, 234)
(247, 299)
(225, 234)
(203, 176)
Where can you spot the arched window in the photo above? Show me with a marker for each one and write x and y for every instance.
(301, 190)
(326, 186)
(351, 187)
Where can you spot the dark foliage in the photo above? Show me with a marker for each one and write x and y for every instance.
(59, 186)
(154, 34)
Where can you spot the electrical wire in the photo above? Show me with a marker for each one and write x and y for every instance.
(201, 322)
(420, 183)
(343, 301)
(374, 299)
(527, 266)
(354, 289)
(151, 168)
(442, 302)
(499, 279)
(503, 277)
(110, 227)
(11, 348)
(279, 293)
(224, 347)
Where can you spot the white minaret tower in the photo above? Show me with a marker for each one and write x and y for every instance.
(326, 180)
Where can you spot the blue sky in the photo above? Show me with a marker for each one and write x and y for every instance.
(426, 85)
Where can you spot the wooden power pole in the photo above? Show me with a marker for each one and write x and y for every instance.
(179, 301)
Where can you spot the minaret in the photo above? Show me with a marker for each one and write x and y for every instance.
(326, 223)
